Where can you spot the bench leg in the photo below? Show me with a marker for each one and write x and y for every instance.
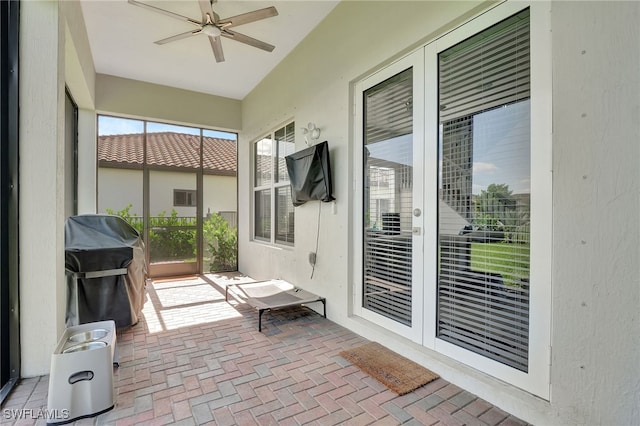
(324, 307)
(260, 312)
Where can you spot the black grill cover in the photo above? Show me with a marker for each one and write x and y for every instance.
(102, 243)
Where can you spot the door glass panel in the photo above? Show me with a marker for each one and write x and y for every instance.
(388, 198)
(483, 217)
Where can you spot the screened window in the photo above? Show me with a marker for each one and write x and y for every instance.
(273, 207)
(484, 190)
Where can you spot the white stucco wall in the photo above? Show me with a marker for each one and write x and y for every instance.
(79, 77)
(119, 187)
(596, 164)
(132, 98)
(87, 154)
(596, 96)
(54, 53)
(41, 185)
(220, 194)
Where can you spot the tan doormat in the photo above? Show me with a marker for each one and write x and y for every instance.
(396, 372)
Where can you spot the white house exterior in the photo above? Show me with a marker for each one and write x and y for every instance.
(120, 177)
(585, 157)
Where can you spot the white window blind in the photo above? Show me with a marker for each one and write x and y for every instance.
(263, 187)
(483, 216)
(388, 170)
(284, 214)
(273, 207)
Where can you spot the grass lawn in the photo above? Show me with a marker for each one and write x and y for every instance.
(511, 260)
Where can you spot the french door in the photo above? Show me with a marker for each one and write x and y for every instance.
(391, 176)
(452, 241)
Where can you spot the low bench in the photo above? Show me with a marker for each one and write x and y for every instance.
(273, 294)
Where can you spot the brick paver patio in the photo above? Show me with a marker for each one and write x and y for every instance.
(195, 359)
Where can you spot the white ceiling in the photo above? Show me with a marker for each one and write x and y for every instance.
(122, 37)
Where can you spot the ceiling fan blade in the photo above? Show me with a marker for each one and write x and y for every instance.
(245, 18)
(207, 10)
(248, 40)
(178, 37)
(216, 46)
(165, 12)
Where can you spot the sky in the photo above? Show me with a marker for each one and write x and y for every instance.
(501, 148)
(118, 126)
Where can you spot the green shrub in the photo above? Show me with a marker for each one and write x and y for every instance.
(168, 241)
(221, 242)
(134, 220)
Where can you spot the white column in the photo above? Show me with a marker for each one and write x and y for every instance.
(41, 184)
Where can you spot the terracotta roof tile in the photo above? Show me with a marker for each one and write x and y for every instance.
(168, 149)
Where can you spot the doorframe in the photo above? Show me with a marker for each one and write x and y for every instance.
(537, 379)
(414, 60)
(177, 268)
(9, 191)
(71, 144)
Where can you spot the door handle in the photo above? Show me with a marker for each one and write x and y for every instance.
(417, 212)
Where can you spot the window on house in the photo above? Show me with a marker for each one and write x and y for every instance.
(273, 207)
(184, 198)
(484, 189)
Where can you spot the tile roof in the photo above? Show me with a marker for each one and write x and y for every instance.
(168, 149)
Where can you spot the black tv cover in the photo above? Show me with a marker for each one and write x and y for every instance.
(310, 174)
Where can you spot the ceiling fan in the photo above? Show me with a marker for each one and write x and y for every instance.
(214, 27)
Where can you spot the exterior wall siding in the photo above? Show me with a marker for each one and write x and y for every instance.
(118, 187)
(596, 292)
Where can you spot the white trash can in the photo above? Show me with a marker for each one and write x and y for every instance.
(81, 377)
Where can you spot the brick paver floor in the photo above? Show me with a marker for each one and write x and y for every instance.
(195, 359)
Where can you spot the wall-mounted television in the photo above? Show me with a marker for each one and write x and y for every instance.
(310, 174)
